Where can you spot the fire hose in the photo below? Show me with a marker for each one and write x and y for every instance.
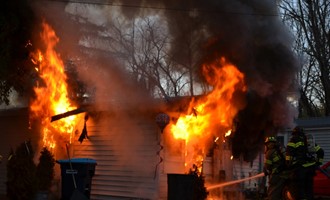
(160, 158)
(162, 119)
(234, 181)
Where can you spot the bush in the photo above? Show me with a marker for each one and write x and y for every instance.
(21, 173)
(24, 178)
(45, 170)
(199, 188)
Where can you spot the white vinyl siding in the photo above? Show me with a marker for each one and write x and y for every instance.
(243, 169)
(126, 158)
(322, 138)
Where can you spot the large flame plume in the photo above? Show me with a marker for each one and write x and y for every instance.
(52, 93)
(212, 115)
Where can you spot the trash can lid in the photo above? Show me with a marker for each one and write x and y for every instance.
(77, 160)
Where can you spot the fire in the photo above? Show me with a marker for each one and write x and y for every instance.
(227, 134)
(210, 116)
(51, 92)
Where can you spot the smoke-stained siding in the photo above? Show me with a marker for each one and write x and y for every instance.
(319, 127)
(322, 138)
(125, 168)
(243, 169)
(171, 164)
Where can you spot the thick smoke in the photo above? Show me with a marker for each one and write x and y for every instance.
(113, 90)
(251, 35)
(17, 21)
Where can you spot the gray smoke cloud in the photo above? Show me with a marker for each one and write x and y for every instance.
(251, 35)
(115, 92)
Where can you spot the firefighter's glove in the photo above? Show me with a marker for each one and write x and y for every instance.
(266, 172)
(289, 164)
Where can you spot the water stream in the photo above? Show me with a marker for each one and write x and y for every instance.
(234, 182)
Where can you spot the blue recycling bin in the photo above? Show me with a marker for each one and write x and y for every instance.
(83, 170)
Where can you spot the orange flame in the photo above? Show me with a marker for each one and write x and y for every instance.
(227, 134)
(51, 93)
(213, 114)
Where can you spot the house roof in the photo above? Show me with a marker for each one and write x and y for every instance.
(14, 111)
(314, 122)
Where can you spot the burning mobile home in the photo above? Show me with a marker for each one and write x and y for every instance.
(246, 62)
(134, 156)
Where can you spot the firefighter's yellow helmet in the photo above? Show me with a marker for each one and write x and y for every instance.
(270, 139)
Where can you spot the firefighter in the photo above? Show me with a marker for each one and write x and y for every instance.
(315, 153)
(315, 156)
(319, 155)
(273, 168)
(296, 157)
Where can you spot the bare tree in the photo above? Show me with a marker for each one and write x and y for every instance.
(143, 48)
(144, 45)
(310, 20)
(186, 44)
